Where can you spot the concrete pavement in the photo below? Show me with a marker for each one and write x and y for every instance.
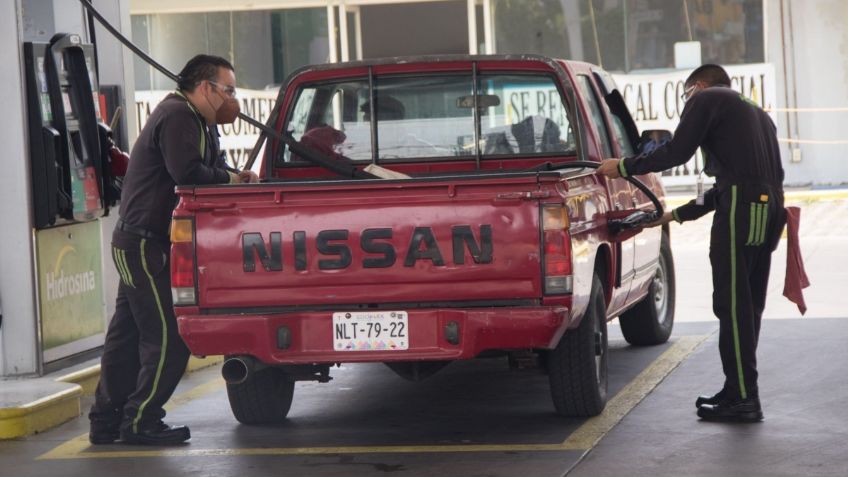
(803, 390)
(802, 385)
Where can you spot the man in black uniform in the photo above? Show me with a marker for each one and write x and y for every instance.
(739, 143)
(144, 356)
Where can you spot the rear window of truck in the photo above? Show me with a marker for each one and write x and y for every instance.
(432, 117)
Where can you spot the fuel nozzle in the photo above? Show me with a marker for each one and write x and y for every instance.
(632, 221)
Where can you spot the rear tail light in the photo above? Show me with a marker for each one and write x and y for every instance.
(556, 250)
(183, 284)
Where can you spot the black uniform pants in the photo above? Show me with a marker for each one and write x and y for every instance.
(746, 228)
(144, 356)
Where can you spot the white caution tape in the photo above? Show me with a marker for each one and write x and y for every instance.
(811, 141)
(805, 110)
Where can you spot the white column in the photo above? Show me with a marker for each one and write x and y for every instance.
(343, 32)
(488, 24)
(19, 331)
(331, 32)
(358, 26)
(472, 27)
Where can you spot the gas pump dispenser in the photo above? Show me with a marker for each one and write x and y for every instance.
(70, 160)
(73, 185)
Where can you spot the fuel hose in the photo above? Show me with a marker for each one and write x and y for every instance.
(637, 219)
(342, 167)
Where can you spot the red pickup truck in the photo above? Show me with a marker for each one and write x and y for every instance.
(420, 211)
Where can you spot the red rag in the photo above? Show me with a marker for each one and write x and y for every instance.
(796, 278)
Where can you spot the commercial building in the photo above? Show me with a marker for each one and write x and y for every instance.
(790, 55)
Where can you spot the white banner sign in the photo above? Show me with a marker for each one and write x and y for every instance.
(654, 99)
(655, 103)
(237, 139)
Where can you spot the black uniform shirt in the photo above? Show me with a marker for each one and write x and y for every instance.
(738, 139)
(172, 149)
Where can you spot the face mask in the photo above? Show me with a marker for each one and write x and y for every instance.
(228, 112)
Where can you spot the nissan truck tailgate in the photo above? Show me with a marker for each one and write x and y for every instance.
(349, 245)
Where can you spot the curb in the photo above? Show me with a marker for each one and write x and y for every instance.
(86, 378)
(59, 407)
(41, 414)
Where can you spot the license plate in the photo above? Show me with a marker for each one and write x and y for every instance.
(371, 331)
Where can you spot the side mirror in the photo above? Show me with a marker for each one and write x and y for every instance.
(652, 139)
(661, 136)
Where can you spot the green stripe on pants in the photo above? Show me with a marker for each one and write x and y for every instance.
(765, 221)
(733, 301)
(751, 220)
(122, 254)
(121, 266)
(164, 347)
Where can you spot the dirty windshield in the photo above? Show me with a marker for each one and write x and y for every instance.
(432, 117)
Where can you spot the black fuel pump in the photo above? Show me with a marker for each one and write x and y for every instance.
(71, 175)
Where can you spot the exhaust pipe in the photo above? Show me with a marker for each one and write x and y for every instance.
(237, 369)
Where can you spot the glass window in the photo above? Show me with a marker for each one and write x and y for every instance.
(625, 35)
(730, 31)
(329, 118)
(264, 46)
(621, 138)
(433, 117)
(522, 114)
(586, 90)
(299, 37)
(429, 116)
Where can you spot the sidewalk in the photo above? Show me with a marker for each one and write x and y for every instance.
(803, 391)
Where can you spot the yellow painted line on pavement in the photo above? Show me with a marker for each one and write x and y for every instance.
(281, 451)
(587, 435)
(584, 438)
(73, 449)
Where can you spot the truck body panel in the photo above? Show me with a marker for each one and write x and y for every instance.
(459, 248)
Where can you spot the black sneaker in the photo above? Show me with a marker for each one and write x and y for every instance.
(742, 410)
(711, 400)
(158, 434)
(104, 429)
(101, 434)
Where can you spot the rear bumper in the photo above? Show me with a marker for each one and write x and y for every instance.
(311, 334)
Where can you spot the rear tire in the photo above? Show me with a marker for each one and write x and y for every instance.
(650, 322)
(578, 367)
(264, 398)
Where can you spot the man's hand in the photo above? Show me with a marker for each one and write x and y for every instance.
(248, 177)
(666, 218)
(609, 168)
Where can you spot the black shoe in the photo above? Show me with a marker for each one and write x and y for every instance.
(159, 434)
(742, 410)
(711, 400)
(104, 429)
(101, 435)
